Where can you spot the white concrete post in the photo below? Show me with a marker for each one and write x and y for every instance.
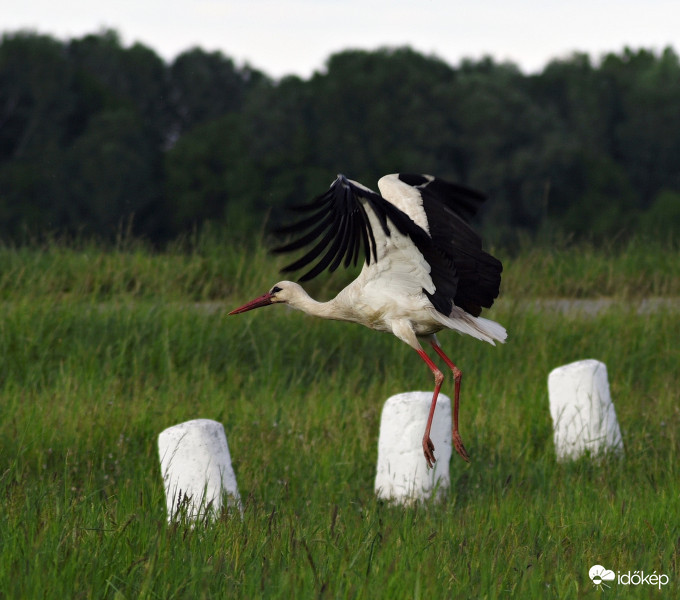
(402, 474)
(582, 411)
(196, 469)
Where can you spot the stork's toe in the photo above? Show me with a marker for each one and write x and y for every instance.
(428, 451)
(458, 445)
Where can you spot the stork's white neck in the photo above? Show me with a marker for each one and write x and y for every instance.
(335, 309)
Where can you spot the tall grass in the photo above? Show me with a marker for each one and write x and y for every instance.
(101, 350)
(638, 268)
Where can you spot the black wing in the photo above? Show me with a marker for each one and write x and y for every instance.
(339, 228)
(463, 274)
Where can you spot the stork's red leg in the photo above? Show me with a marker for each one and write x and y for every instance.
(457, 376)
(428, 446)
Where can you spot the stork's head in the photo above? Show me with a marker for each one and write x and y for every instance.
(284, 291)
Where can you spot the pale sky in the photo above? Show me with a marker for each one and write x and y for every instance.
(283, 37)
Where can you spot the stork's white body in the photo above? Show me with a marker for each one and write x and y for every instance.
(395, 290)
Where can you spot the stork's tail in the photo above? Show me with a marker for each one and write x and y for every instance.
(477, 327)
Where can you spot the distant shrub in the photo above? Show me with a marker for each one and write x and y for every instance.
(662, 220)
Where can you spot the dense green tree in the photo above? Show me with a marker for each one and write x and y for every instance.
(648, 136)
(210, 176)
(383, 111)
(207, 85)
(135, 78)
(36, 106)
(81, 135)
(36, 99)
(114, 174)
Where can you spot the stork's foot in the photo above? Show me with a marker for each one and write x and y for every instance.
(428, 450)
(458, 445)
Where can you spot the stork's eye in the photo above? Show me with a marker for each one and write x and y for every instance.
(275, 289)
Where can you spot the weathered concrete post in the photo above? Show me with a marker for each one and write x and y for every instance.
(196, 469)
(402, 474)
(584, 419)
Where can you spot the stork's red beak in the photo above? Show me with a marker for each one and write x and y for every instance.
(264, 300)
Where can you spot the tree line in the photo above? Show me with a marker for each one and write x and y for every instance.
(96, 136)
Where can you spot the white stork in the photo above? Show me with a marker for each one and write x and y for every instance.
(424, 268)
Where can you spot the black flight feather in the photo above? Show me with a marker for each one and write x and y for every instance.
(346, 227)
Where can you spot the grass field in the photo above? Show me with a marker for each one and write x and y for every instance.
(102, 350)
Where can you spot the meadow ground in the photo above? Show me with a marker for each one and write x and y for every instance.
(101, 350)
